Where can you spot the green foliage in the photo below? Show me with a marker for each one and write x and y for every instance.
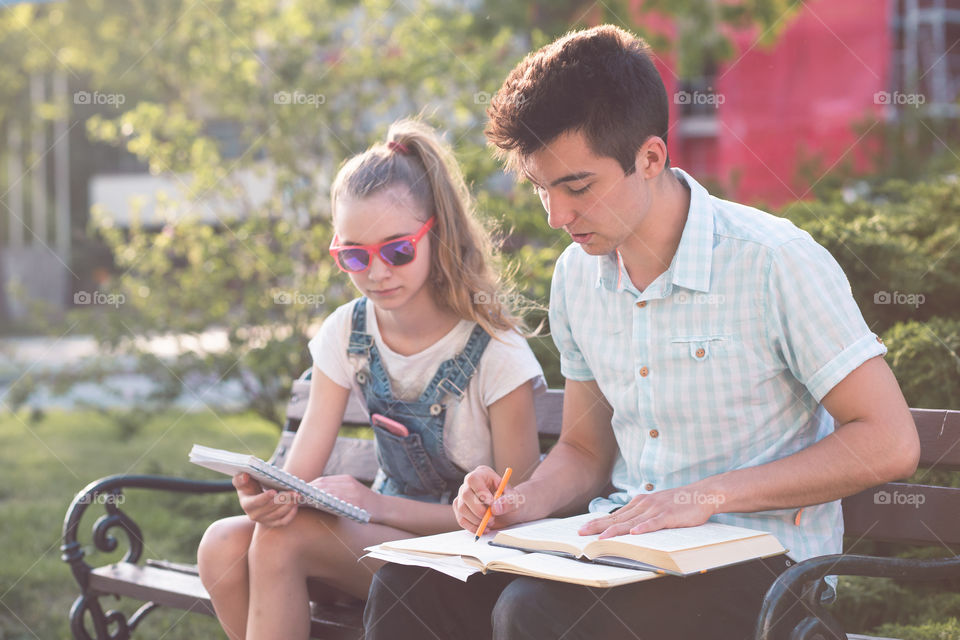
(945, 630)
(48, 461)
(925, 357)
(864, 604)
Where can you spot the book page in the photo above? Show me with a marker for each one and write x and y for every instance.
(670, 540)
(453, 566)
(568, 570)
(454, 543)
(563, 531)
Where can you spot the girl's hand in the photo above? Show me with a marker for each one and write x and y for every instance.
(270, 508)
(353, 491)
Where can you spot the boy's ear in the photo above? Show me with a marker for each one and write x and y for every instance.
(651, 157)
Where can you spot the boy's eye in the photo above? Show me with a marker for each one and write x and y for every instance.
(577, 192)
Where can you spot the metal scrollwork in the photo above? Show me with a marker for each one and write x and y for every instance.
(108, 492)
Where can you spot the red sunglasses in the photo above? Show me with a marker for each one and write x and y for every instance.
(356, 258)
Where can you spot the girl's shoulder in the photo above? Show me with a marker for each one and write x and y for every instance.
(337, 322)
(508, 344)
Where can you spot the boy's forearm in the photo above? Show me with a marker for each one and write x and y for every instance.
(566, 479)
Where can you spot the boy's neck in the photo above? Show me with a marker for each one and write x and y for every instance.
(649, 252)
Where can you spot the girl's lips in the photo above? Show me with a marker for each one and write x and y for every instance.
(385, 292)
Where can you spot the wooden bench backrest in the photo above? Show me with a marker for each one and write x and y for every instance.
(897, 512)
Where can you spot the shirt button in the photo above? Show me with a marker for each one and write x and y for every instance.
(701, 353)
(654, 433)
(644, 372)
(648, 486)
(641, 304)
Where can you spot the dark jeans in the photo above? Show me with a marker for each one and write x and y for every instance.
(412, 602)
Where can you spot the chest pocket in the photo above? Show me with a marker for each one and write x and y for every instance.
(703, 348)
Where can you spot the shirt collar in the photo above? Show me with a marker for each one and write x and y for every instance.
(690, 267)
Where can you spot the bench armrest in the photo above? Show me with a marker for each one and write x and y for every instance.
(804, 580)
(108, 492)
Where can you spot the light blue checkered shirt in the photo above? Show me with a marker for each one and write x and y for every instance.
(751, 325)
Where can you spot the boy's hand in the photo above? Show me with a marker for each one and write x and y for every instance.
(476, 494)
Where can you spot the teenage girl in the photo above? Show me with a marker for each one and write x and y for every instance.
(429, 346)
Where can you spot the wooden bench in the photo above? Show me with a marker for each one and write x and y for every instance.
(913, 514)
(158, 583)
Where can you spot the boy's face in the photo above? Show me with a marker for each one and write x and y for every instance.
(586, 195)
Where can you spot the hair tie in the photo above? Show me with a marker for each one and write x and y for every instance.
(399, 147)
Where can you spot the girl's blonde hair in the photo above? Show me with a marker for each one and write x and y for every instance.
(462, 259)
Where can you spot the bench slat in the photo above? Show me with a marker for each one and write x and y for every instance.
(180, 588)
(900, 512)
(152, 584)
(939, 433)
(549, 405)
(353, 456)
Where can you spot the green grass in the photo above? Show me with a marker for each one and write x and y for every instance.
(47, 460)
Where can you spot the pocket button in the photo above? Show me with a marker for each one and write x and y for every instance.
(435, 409)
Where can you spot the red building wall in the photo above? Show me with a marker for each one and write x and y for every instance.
(795, 103)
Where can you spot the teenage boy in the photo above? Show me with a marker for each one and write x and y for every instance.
(707, 349)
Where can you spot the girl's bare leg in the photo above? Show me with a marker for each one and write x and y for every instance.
(222, 560)
(314, 544)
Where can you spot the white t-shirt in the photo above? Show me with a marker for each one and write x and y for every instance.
(505, 365)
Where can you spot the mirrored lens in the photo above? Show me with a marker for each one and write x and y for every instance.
(353, 259)
(398, 253)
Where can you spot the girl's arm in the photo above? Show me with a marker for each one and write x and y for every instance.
(513, 425)
(318, 430)
(308, 455)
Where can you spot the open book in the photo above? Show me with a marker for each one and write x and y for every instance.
(274, 477)
(457, 555)
(682, 551)
(553, 550)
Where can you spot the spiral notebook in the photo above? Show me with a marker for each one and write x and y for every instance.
(274, 477)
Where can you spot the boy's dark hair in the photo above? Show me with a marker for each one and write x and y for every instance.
(600, 81)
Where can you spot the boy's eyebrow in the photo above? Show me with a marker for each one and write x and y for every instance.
(572, 177)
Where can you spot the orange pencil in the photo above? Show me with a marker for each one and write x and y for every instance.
(486, 516)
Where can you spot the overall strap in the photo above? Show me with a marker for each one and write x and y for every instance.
(360, 340)
(454, 374)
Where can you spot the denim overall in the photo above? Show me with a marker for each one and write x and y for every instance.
(415, 466)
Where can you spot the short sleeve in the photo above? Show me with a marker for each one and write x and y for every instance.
(506, 364)
(573, 366)
(812, 319)
(329, 347)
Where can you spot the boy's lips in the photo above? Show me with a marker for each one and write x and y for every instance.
(581, 237)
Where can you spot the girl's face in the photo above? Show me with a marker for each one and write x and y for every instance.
(385, 215)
